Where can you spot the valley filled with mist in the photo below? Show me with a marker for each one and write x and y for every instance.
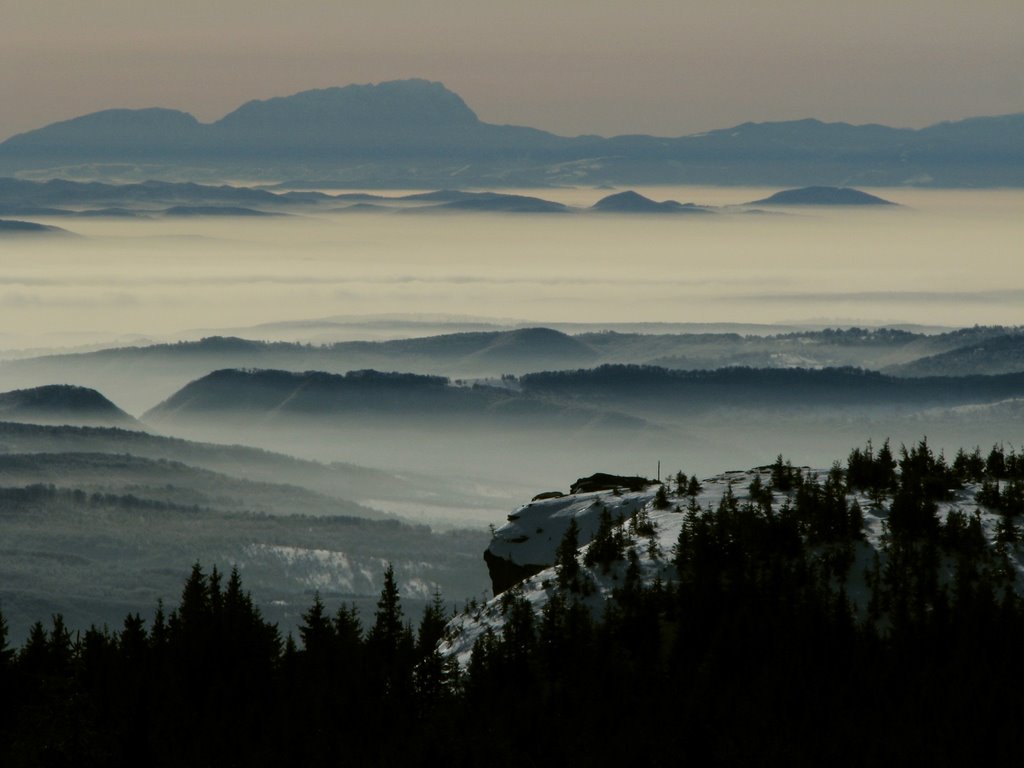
(312, 384)
(400, 384)
(941, 258)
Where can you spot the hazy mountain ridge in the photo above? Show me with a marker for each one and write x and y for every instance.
(395, 132)
(755, 388)
(161, 369)
(61, 197)
(174, 483)
(995, 355)
(367, 396)
(15, 228)
(336, 480)
(63, 404)
(140, 376)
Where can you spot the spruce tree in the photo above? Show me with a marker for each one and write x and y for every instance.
(391, 646)
(348, 629)
(694, 488)
(566, 565)
(432, 625)
(431, 670)
(6, 652)
(661, 498)
(316, 630)
(388, 635)
(995, 465)
(608, 544)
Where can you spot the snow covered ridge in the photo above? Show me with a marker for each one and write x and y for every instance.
(648, 523)
(526, 544)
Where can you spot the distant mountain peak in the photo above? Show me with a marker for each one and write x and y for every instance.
(422, 103)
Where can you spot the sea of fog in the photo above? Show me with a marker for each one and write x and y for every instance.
(944, 258)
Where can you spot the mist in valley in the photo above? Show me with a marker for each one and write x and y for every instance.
(128, 306)
(943, 259)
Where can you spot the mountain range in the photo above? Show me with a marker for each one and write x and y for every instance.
(419, 133)
(140, 376)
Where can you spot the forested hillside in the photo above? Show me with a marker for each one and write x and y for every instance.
(868, 614)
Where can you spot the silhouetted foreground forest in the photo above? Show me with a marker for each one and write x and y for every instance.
(754, 654)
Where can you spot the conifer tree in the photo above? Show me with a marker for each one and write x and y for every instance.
(213, 593)
(431, 627)
(1006, 531)
(6, 652)
(388, 633)
(661, 498)
(59, 645)
(158, 635)
(133, 641)
(348, 629)
(995, 465)
(566, 565)
(316, 630)
(431, 669)
(694, 488)
(34, 656)
(886, 463)
(193, 611)
(608, 544)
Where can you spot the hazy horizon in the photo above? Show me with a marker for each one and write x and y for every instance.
(571, 68)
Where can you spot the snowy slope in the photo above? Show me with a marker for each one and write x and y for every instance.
(534, 532)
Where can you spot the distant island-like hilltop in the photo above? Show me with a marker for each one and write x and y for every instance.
(153, 200)
(822, 196)
(10, 227)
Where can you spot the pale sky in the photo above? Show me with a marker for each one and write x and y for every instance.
(667, 67)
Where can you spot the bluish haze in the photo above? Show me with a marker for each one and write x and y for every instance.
(599, 66)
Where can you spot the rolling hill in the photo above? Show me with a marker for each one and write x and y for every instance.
(63, 404)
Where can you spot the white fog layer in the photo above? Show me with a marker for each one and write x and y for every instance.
(944, 258)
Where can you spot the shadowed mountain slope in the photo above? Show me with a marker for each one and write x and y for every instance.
(171, 482)
(619, 386)
(1002, 354)
(14, 228)
(364, 397)
(63, 404)
(344, 481)
(142, 376)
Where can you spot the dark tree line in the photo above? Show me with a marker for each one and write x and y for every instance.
(750, 653)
